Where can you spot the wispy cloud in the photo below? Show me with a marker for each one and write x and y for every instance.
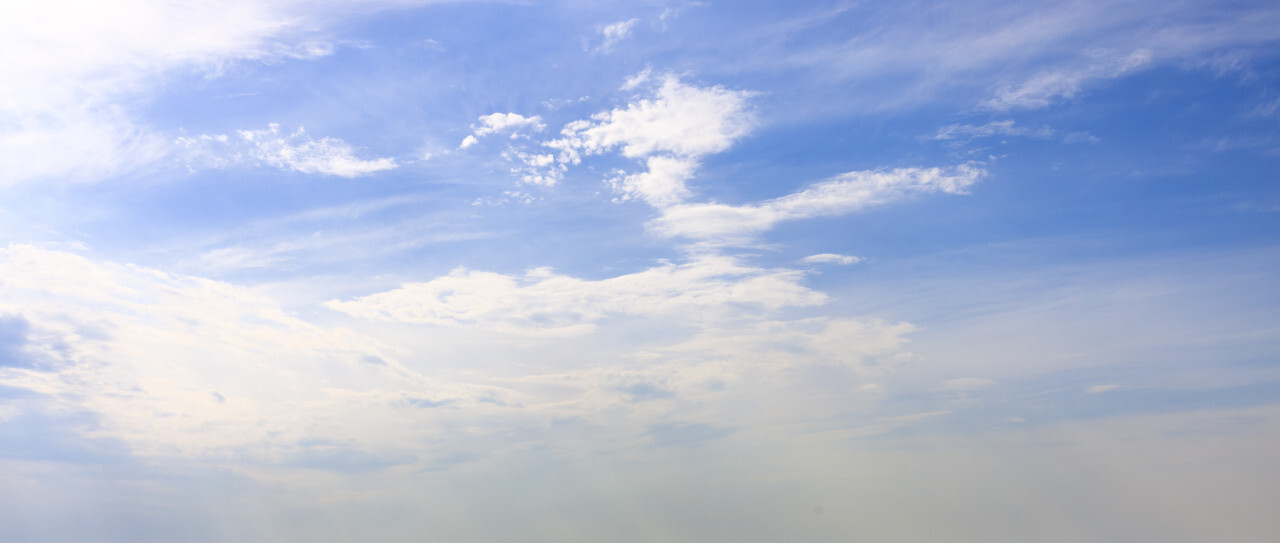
(993, 128)
(64, 107)
(831, 258)
(293, 152)
(611, 34)
(1047, 87)
(845, 193)
(996, 54)
(1080, 137)
(1265, 109)
(546, 303)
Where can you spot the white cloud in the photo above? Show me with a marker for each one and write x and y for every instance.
(845, 193)
(831, 258)
(634, 81)
(502, 122)
(80, 59)
(296, 152)
(671, 13)
(1098, 389)
(1046, 87)
(662, 184)
(745, 373)
(670, 130)
(679, 119)
(537, 167)
(614, 33)
(993, 128)
(182, 366)
(73, 144)
(546, 303)
(66, 102)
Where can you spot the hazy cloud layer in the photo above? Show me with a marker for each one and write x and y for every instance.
(543, 302)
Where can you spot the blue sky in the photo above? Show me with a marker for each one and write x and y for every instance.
(641, 271)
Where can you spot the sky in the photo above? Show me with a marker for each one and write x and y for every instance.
(403, 270)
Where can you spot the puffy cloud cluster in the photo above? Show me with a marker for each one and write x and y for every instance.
(678, 119)
(670, 130)
(494, 123)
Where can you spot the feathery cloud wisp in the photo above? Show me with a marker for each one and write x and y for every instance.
(294, 152)
(845, 193)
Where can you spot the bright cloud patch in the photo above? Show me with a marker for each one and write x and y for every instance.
(542, 302)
